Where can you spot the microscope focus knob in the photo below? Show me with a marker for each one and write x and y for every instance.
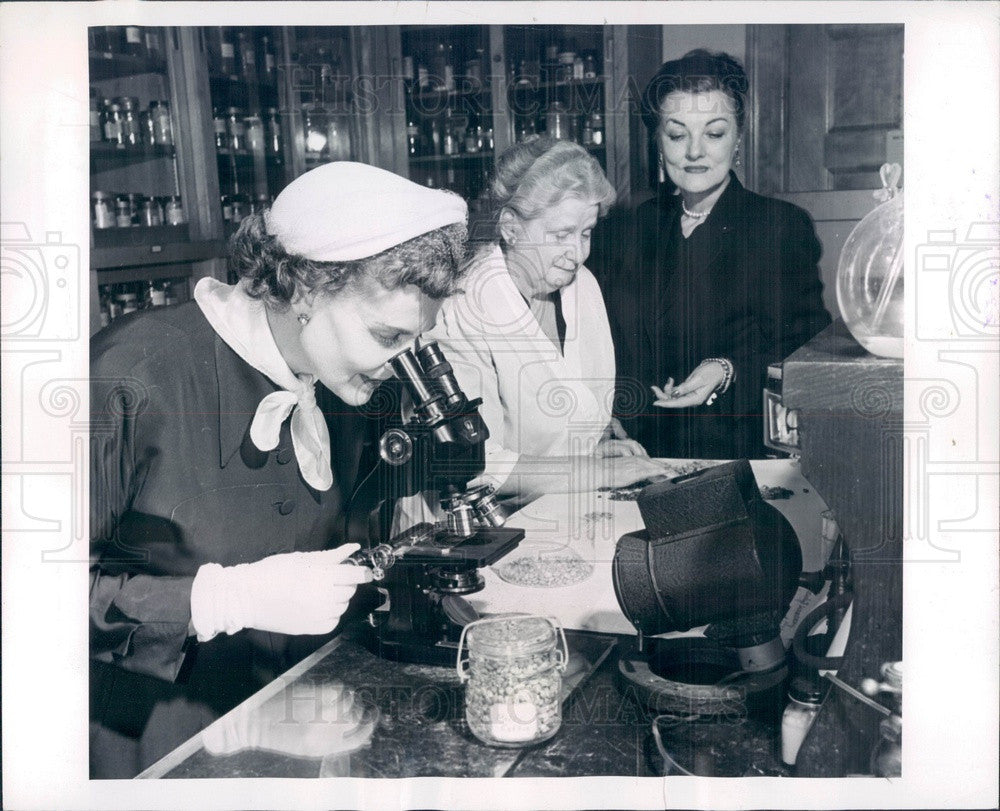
(395, 447)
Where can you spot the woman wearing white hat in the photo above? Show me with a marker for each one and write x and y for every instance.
(529, 333)
(222, 454)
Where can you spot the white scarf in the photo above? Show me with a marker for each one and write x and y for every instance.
(241, 322)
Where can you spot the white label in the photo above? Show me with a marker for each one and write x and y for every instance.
(227, 50)
(514, 721)
(133, 34)
(598, 137)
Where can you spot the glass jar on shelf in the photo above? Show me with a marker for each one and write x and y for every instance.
(163, 132)
(135, 44)
(173, 210)
(123, 211)
(272, 133)
(414, 138)
(236, 129)
(102, 209)
(255, 134)
(314, 124)
(154, 44)
(95, 117)
(111, 122)
(240, 208)
(221, 130)
(557, 122)
(268, 64)
(596, 121)
(338, 137)
(146, 126)
(224, 51)
(589, 66)
(131, 127)
(247, 56)
(149, 213)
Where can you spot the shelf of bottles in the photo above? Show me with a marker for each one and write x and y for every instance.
(246, 112)
(327, 121)
(555, 84)
(119, 298)
(449, 109)
(135, 198)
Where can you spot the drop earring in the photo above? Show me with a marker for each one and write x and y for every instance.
(736, 156)
(663, 171)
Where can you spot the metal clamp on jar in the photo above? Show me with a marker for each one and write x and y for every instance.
(513, 695)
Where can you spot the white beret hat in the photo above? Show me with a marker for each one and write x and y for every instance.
(343, 211)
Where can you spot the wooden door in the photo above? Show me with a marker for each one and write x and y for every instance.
(827, 111)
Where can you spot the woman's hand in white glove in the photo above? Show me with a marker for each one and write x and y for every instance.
(290, 593)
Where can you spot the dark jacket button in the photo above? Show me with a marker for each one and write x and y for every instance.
(285, 507)
(285, 455)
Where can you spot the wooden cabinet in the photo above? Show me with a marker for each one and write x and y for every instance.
(252, 108)
(850, 425)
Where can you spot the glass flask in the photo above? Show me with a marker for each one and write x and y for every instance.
(870, 277)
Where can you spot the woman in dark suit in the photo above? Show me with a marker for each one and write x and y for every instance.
(224, 450)
(706, 269)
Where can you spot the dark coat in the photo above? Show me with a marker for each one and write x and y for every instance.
(175, 483)
(745, 285)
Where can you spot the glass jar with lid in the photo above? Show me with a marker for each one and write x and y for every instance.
(513, 675)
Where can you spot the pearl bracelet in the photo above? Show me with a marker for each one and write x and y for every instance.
(727, 368)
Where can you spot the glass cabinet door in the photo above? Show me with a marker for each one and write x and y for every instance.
(556, 84)
(447, 75)
(243, 69)
(135, 193)
(141, 233)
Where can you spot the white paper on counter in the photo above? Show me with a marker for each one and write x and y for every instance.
(591, 523)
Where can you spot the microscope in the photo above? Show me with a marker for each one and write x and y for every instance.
(438, 446)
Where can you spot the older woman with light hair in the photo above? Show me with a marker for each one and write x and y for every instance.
(530, 335)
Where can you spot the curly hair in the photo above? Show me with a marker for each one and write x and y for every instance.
(435, 262)
(534, 175)
(698, 71)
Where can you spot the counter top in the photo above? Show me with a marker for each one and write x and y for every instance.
(409, 722)
(345, 712)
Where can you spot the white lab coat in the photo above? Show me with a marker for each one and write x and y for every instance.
(536, 401)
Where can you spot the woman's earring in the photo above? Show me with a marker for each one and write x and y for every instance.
(303, 319)
(663, 171)
(736, 156)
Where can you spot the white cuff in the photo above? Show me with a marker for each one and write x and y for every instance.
(214, 604)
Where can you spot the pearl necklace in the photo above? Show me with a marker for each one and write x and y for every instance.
(694, 215)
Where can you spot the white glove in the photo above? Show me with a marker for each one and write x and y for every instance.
(291, 593)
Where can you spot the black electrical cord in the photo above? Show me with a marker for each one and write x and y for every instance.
(840, 602)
